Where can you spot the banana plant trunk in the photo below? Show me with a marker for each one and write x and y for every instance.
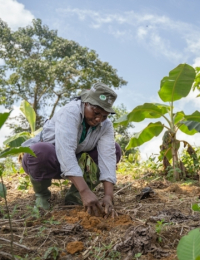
(175, 159)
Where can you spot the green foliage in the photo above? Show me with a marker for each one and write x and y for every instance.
(3, 118)
(153, 129)
(173, 87)
(24, 183)
(196, 207)
(14, 151)
(191, 161)
(46, 70)
(122, 133)
(10, 167)
(105, 252)
(137, 255)
(19, 138)
(3, 191)
(197, 79)
(52, 252)
(51, 221)
(29, 113)
(178, 84)
(189, 246)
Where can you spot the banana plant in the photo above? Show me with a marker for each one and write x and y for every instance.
(172, 88)
(12, 150)
(18, 139)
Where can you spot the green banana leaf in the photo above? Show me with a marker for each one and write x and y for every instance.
(15, 151)
(192, 126)
(189, 246)
(139, 113)
(17, 140)
(29, 113)
(37, 131)
(178, 84)
(193, 117)
(152, 130)
(179, 116)
(3, 118)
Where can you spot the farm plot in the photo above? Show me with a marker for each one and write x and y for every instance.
(149, 226)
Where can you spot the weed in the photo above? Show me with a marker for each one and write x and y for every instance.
(159, 227)
(24, 183)
(41, 232)
(105, 252)
(51, 221)
(52, 252)
(137, 255)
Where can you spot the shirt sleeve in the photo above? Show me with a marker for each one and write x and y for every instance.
(67, 124)
(107, 155)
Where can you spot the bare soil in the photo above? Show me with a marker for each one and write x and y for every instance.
(151, 225)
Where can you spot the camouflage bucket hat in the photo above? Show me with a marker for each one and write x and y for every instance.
(100, 95)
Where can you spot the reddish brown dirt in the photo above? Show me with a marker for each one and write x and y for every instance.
(74, 247)
(37, 231)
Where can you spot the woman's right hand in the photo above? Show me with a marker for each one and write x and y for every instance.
(91, 203)
(89, 199)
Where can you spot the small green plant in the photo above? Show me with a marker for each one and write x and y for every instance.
(33, 212)
(24, 183)
(40, 233)
(159, 227)
(137, 256)
(105, 252)
(51, 221)
(52, 252)
(196, 207)
(170, 171)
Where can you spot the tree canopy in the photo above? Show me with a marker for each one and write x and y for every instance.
(46, 70)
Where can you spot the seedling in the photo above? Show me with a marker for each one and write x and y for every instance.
(159, 227)
(137, 256)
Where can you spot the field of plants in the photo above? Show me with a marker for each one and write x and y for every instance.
(149, 224)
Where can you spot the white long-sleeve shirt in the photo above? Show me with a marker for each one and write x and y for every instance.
(64, 131)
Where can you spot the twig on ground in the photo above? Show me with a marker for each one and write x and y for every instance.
(7, 255)
(132, 183)
(20, 241)
(14, 243)
(45, 240)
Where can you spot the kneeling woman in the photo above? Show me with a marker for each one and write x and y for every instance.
(79, 127)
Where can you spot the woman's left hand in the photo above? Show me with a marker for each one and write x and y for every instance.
(107, 204)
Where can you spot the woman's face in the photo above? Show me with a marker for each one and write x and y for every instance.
(94, 115)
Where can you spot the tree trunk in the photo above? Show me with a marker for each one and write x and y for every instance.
(175, 160)
(54, 106)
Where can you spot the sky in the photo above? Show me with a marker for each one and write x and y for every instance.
(142, 39)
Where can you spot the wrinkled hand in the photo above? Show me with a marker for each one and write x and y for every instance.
(91, 203)
(107, 203)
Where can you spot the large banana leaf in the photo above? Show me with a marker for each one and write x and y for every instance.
(153, 129)
(192, 126)
(14, 151)
(29, 113)
(139, 113)
(17, 140)
(3, 118)
(193, 117)
(189, 246)
(178, 84)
